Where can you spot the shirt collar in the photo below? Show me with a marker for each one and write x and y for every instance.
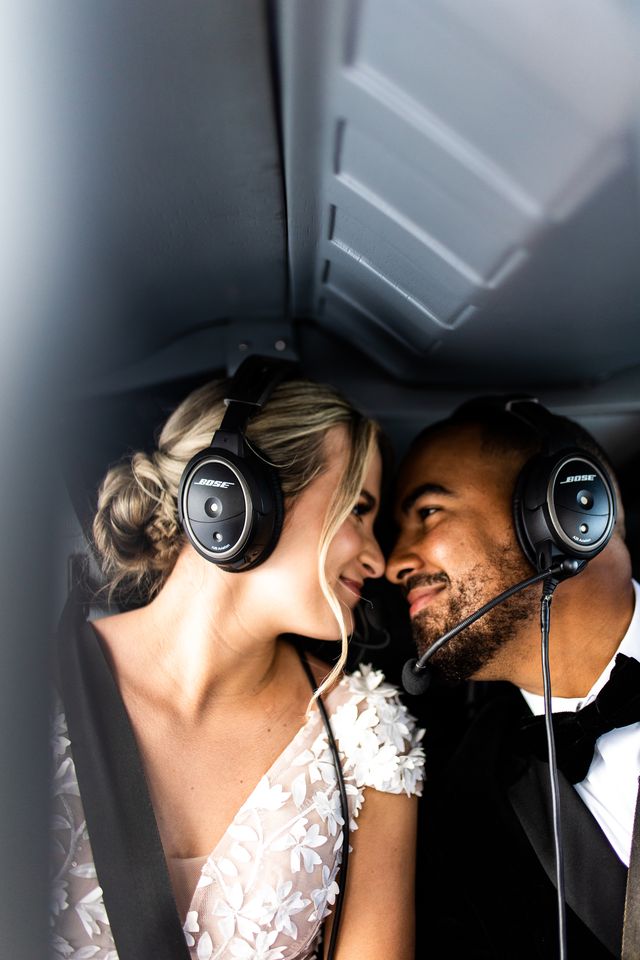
(629, 645)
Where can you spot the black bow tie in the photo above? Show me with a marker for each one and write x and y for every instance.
(617, 705)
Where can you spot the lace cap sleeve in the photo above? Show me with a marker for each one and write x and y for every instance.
(79, 925)
(378, 736)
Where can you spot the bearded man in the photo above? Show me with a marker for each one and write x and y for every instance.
(486, 868)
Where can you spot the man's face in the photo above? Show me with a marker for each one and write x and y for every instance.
(457, 549)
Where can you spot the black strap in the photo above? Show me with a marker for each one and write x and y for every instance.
(253, 383)
(125, 840)
(257, 377)
(631, 926)
(552, 431)
(337, 910)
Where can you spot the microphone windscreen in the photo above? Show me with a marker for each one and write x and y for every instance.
(415, 683)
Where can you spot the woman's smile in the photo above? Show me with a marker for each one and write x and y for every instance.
(354, 587)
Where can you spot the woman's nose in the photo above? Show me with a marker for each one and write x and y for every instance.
(372, 558)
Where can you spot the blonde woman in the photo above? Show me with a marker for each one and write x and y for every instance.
(195, 787)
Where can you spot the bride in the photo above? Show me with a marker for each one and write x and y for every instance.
(195, 785)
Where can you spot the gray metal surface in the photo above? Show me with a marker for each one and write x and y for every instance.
(461, 185)
(167, 145)
(461, 190)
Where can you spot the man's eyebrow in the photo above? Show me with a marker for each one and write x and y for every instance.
(417, 492)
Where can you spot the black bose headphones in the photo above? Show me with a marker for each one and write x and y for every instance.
(564, 502)
(229, 499)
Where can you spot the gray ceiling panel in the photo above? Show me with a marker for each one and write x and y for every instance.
(459, 177)
(469, 84)
(443, 191)
(572, 315)
(445, 164)
(401, 259)
(371, 292)
(368, 333)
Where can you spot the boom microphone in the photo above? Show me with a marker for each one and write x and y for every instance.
(417, 675)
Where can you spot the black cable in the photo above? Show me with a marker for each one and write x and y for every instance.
(545, 604)
(481, 612)
(366, 622)
(415, 679)
(344, 803)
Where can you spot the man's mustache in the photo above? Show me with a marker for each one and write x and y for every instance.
(424, 580)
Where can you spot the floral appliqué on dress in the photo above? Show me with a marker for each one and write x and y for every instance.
(266, 888)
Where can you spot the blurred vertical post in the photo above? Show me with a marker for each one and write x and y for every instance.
(31, 232)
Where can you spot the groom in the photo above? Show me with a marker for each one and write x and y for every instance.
(486, 866)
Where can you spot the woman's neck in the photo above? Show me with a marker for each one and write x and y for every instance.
(200, 640)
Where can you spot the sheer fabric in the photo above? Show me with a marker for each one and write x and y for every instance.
(270, 882)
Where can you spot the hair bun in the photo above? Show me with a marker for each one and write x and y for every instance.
(135, 529)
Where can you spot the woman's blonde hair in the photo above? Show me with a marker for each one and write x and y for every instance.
(136, 529)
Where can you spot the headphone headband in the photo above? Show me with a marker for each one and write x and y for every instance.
(549, 427)
(251, 386)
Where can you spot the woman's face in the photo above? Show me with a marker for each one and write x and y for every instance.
(295, 598)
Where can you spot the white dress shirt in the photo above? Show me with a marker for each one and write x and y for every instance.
(610, 787)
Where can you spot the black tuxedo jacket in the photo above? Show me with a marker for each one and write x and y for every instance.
(485, 859)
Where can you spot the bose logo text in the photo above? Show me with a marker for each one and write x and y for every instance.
(215, 483)
(579, 477)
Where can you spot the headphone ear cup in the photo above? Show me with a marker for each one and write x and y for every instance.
(231, 498)
(278, 509)
(564, 506)
(268, 510)
(519, 515)
(214, 498)
(269, 477)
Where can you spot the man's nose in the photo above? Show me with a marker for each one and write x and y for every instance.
(402, 562)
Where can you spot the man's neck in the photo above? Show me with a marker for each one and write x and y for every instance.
(588, 622)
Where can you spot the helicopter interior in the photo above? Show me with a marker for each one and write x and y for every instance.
(418, 202)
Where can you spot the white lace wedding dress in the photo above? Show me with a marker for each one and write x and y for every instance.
(266, 888)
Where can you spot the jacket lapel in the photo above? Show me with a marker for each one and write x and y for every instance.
(595, 878)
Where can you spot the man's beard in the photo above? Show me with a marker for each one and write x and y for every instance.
(464, 655)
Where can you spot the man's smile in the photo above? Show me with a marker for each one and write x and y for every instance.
(421, 597)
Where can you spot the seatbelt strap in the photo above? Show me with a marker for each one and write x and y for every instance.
(125, 841)
(631, 924)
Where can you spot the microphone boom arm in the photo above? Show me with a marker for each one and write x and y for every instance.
(552, 571)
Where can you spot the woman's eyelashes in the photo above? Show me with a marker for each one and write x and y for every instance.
(364, 506)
